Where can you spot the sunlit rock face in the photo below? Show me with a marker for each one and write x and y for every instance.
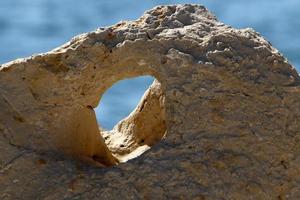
(222, 116)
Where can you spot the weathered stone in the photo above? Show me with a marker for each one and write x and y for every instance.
(226, 107)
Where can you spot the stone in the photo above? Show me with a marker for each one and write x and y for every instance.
(221, 120)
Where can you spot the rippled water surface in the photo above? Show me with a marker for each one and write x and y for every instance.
(34, 26)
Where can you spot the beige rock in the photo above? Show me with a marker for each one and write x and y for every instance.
(222, 118)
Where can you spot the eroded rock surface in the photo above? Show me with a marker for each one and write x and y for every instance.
(226, 107)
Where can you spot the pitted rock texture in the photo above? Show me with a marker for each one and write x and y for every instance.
(225, 105)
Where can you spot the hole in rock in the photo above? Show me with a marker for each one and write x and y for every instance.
(131, 116)
(120, 99)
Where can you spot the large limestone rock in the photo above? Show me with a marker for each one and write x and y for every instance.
(222, 118)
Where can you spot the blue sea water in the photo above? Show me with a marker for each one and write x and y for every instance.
(35, 26)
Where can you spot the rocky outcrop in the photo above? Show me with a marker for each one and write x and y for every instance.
(222, 118)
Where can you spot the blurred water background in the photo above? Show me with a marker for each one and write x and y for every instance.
(34, 26)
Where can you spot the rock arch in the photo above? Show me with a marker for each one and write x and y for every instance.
(231, 110)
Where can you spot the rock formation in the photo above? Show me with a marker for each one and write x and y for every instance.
(222, 117)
